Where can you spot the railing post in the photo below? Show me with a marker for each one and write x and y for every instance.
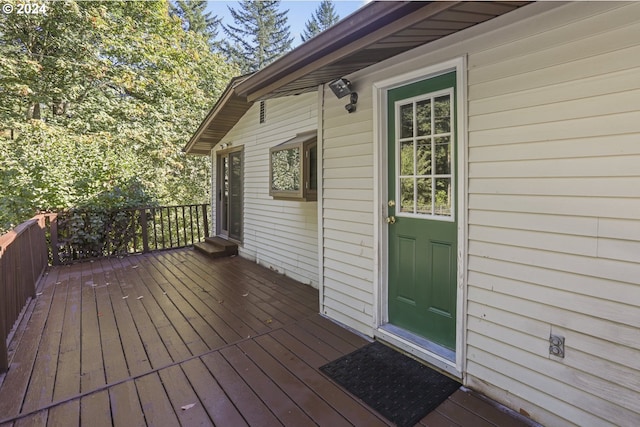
(55, 257)
(145, 230)
(205, 220)
(4, 356)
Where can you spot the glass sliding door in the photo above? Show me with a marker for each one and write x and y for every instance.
(229, 194)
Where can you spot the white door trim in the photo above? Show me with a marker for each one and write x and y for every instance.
(380, 318)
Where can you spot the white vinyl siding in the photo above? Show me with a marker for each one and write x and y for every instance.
(279, 234)
(553, 183)
(348, 212)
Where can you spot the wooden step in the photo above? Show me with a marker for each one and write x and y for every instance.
(216, 247)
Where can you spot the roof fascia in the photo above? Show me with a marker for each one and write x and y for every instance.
(226, 96)
(354, 31)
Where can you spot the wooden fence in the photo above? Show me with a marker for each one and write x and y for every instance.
(23, 259)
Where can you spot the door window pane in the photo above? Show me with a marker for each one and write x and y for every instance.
(225, 193)
(443, 156)
(406, 195)
(235, 195)
(423, 198)
(406, 121)
(443, 114)
(406, 158)
(443, 196)
(423, 157)
(423, 117)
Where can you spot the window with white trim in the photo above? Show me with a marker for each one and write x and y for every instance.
(424, 155)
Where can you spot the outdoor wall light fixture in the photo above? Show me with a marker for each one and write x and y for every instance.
(341, 88)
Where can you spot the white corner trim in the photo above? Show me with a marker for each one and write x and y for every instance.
(320, 172)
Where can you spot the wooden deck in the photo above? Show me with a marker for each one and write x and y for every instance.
(173, 338)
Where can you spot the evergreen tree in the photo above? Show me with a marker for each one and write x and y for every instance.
(194, 18)
(324, 17)
(260, 34)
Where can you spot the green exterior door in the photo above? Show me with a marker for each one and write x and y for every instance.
(422, 223)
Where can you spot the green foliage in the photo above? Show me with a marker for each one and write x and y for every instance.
(285, 165)
(260, 34)
(50, 169)
(324, 17)
(97, 100)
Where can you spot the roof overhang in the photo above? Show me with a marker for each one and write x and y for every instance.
(226, 112)
(374, 33)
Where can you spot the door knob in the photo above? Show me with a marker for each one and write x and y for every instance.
(391, 219)
(391, 203)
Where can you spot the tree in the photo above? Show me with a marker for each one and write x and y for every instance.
(49, 59)
(260, 34)
(97, 100)
(193, 15)
(324, 17)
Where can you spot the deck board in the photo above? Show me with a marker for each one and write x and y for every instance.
(181, 394)
(14, 385)
(156, 406)
(240, 342)
(39, 419)
(67, 377)
(96, 407)
(92, 372)
(220, 408)
(65, 414)
(265, 386)
(249, 404)
(134, 350)
(40, 390)
(125, 405)
(115, 365)
(333, 395)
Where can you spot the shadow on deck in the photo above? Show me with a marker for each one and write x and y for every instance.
(173, 338)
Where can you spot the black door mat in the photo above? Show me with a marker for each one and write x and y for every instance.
(398, 387)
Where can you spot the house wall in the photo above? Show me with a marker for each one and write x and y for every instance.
(553, 181)
(279, 234)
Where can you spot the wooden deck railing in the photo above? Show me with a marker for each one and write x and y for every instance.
(71, 236)
(23, 258)
(81, 235)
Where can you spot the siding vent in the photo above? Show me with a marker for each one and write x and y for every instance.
(262, 111)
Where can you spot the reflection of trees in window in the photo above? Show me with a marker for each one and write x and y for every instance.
(425, 162)
(443, 114)
(443, 196)
(293, 168)
(286, 170)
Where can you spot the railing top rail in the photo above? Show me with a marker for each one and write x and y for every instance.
(129, 209)
(10, 236)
